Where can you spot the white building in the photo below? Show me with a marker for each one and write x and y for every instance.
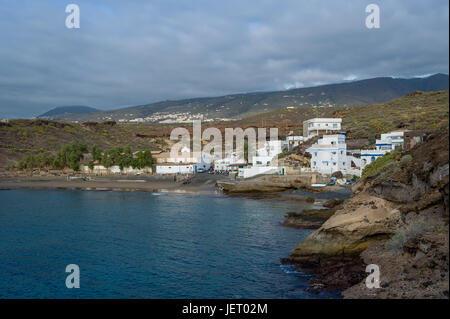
(318, 126)
(293, 141)
(390, 141)
(185, 164)
(265, 155)
(370, 156)
(259, 170)
(329, 154)
(229, 163)
(175, 169)
(115, 169)
(184, 157)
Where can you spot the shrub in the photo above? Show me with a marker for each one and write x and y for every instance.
(396, 242)
(405, 160)
(40, 160)
(410, 231)
(383, 163)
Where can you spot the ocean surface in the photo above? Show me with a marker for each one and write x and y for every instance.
(142, 245)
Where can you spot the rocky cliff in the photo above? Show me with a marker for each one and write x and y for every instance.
(398, 219)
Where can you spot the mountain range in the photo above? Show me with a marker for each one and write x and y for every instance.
(71, 109)
(235, 106)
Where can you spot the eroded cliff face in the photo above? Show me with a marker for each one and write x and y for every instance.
(405, 202)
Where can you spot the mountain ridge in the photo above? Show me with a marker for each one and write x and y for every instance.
(69, 109)
(240, 105)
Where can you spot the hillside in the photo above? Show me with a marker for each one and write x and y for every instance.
(414, 111)
(368, 91)
(19, 138)
(417, 110)
(72, 109)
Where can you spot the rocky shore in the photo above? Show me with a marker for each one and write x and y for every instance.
(398, 220)
(312, 218)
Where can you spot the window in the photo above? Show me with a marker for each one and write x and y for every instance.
(315, 153)
(314, 163)
(343, 163)
(335, 125)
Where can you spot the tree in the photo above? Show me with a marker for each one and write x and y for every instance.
(70, 156)
(96, 153)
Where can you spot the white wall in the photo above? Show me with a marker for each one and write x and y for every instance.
(253, 171)
(175, 169)
(100, 169)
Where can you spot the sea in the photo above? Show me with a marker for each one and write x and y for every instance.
(147, 245)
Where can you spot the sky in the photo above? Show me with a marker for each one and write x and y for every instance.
(137, 52)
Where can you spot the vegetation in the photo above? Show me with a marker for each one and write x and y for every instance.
(40, 160)
(412, 230)
(70, 156)
(122, 157)
(405, 160)
(385, 164)
(414, 112)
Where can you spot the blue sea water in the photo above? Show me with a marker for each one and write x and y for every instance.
(141, 245)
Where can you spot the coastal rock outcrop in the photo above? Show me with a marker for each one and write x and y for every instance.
(265, 184)
(398, 219)
(313, 218)
(350, 230)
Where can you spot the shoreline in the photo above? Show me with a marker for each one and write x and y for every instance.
(199, 184)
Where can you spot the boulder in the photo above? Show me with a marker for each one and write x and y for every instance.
(363, 220)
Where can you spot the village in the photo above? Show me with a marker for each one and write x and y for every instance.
(326, 158)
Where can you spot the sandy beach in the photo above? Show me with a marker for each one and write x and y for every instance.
(112, 183)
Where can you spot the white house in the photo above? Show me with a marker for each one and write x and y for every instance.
(259, 170)
(115, 169)
(175, 169)
(293, 141)
(329, 154)
(183, 158)
(390, 141)
(186, 164)
(229, 163)
(318, 126)
(370, 156)
(265, 155)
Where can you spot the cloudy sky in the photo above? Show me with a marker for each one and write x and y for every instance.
(136, 52)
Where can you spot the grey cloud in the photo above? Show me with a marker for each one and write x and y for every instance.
(129, 53)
